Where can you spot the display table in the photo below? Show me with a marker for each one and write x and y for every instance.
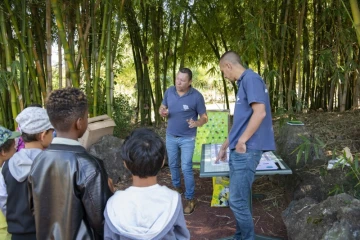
(209, 169)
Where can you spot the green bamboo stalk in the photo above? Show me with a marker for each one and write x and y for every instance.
(24, 83)
(93, 59)
(356, 15)
(5, 41)
(2, 112)
(38, 34)
(22, 44)
(18, 93)
(3, 115)
(108, 65)
(48, 47)
(39, 69)
(14, 109)
(68, 57)
(83, 50)
(98, 64)
(34, 83)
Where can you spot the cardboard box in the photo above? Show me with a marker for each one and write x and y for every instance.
(97, 127)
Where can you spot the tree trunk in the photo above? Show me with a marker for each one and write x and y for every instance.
(167, 53)
(10, 84)
(60, 59)
(48, 47)
(83, 50)
(67, 52)
(108, 79)
(184, 32)
(177, 33)
(356, 16)
(155, 16)
(356, 86)
(296, 56)
(282, 55)
(99, 59)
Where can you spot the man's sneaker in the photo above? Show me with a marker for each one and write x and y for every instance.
(189, 206)
(179, 190)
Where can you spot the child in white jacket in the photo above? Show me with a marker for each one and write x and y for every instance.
(145, 210)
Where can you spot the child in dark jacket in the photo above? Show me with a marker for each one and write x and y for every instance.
(145, 210)
(69, 187)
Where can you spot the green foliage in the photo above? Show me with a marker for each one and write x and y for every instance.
(305, 147)
(122, 115)
(353, 175)
(284, 116)
(337, 190)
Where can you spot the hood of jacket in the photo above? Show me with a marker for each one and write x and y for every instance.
(142, 212)
(20, 163)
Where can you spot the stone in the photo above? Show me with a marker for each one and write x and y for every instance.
(338, 217)
(288, 139)
(108, 148)
(318, 183)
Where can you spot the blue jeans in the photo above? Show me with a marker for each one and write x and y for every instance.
(181, 148)
(242, 173)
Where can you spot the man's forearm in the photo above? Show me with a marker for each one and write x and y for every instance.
(225, 145)
(202, 120)
(254, 123)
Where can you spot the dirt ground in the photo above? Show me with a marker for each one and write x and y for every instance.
(208, 222)
(337, 130)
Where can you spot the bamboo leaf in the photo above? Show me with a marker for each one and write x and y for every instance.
(321, 143)
(356, 162)
(307, 150)
(299, 154)
(316, 150)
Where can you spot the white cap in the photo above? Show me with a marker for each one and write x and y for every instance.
(33, 120)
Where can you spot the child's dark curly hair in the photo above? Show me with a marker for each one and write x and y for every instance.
(65, 106)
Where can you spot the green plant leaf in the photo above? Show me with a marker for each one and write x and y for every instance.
(298, 156)
(356, 162)
(307, 151)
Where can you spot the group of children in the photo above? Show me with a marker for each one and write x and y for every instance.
(54, 189)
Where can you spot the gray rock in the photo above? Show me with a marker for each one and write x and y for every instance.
(108, 149)
(289, 139)
(336, 218)
(318, 183)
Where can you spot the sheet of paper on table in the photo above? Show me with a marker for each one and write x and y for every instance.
(267, 162)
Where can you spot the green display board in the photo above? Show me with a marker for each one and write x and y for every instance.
(214, 131)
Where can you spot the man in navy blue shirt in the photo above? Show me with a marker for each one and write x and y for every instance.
(250, 135)
(182, 104)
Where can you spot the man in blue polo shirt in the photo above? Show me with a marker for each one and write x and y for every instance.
(250, 135)
(182, 104)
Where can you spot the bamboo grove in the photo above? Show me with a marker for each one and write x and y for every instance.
(306, 50)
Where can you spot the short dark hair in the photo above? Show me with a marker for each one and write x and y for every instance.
(143, 152)
(187, 71)
(65, 106)
(231, 56)
(6, 146)
(34, 105)
(31, 137)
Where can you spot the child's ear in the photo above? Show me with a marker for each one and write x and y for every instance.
(80, 124)
(125, 165)
(42, 136)
(2, 153)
